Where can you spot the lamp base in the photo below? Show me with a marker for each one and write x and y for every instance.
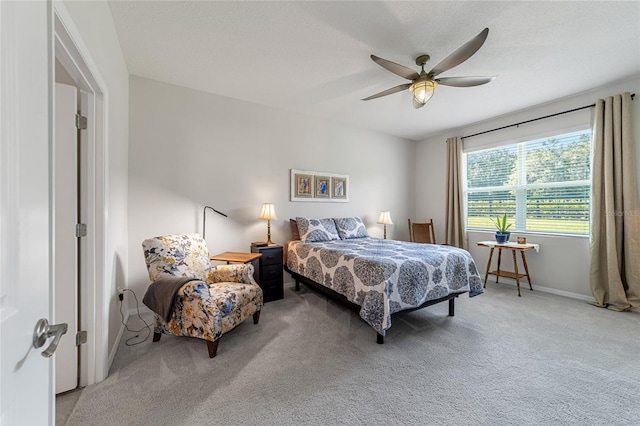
(260, 244)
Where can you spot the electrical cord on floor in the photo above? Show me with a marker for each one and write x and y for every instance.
(147, 326)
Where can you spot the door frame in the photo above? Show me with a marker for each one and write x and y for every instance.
(73, 54)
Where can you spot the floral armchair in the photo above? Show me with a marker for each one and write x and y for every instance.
(220, 297)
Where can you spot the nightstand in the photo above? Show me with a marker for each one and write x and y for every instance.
(269, 273)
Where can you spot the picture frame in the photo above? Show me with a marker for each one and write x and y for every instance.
(339, 188)
(322, 185)
(302, 186)
(308, 185)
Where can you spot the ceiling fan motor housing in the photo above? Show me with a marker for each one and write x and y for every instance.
(422, 60)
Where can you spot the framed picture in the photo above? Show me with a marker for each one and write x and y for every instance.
(303, 185)
(339, 188)
(307, 185)
(323, 186)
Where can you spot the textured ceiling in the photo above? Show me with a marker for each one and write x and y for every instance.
(312, 57)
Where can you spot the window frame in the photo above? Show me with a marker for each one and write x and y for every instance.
(521, 187)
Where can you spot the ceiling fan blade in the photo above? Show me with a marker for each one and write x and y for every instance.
(463, 53)
(396, 89)
(464, 81)
(397, 69)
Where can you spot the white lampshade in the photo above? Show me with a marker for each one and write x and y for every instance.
(422, 92)
(268, 212)
(385, 218)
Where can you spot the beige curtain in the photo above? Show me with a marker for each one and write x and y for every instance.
(615, 214)
(454, 224)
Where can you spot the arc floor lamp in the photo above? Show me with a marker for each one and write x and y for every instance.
(204, 218)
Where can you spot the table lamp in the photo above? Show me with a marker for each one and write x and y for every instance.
(268, 213)
(385, 219)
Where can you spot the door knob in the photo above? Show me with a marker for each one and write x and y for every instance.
(43, 331)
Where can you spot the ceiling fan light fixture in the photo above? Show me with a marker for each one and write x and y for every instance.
(422, 91)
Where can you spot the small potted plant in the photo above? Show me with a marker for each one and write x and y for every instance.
(502, 233)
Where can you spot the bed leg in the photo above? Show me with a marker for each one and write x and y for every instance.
(452, 306)
(379, 339)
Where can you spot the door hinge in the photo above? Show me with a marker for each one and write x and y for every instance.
(81, 337)
(81, 230)
(81, 122)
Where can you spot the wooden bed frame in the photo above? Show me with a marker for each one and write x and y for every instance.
(356, 308)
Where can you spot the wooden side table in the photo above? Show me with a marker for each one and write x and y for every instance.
(522, 248)
(236, 257)
(269, 273)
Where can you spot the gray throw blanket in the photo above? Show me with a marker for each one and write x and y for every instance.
(161, 294)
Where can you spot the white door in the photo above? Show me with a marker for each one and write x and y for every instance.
(26, 377)
(65, 253)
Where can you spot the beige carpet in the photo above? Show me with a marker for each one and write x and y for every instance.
(502, 360)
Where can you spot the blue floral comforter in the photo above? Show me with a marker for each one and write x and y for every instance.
(385, 276)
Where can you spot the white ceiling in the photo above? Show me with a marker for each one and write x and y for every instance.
(312, 57)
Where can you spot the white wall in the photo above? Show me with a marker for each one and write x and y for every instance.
(96, 28)
(562, 265)
(189, 149)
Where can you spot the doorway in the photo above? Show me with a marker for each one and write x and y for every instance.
(76, 61)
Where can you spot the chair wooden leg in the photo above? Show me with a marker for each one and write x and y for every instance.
(256, 317)
(213, 347)
(156, 336)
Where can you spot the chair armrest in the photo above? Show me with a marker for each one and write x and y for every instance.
(196, 289)
(195, 314)
(235, 273)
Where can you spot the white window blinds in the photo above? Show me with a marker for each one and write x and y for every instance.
(542, 185)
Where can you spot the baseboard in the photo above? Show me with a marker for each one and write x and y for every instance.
(116, 344)
(127, 314)
(525, 286)
(565, 294)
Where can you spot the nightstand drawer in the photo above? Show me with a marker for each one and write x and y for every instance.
(272, 290)
(271, 257)
(272, 272)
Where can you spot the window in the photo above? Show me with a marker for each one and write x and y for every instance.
(542, 185)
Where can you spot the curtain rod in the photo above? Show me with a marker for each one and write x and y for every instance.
(535, 119)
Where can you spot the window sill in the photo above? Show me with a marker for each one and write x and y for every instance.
(530, 233)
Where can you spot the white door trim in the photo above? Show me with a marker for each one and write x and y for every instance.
(74, 55)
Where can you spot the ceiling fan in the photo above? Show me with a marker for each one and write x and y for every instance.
(423, 85)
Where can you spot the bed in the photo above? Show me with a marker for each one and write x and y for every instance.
(379, 277)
